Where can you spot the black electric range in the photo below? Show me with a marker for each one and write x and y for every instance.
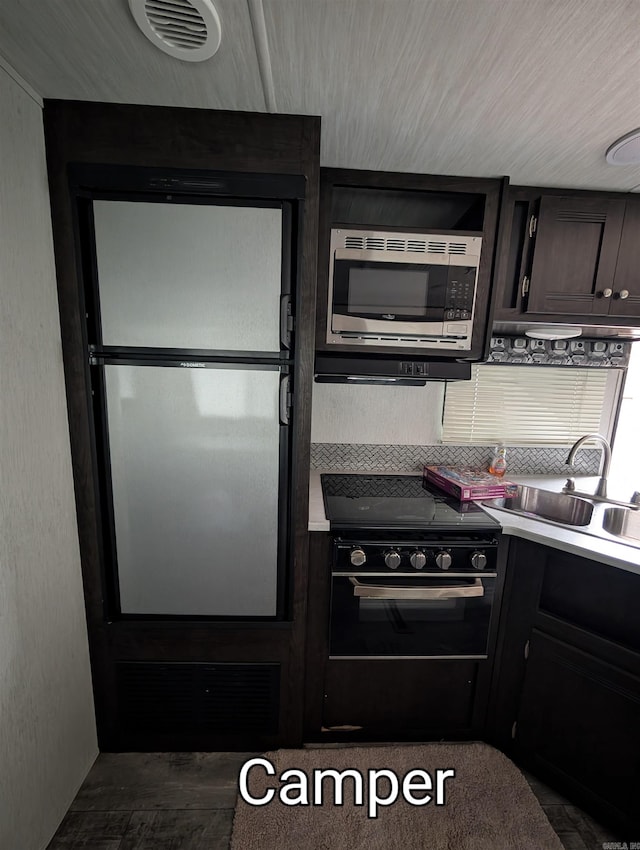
(397, 502)
(397, 523)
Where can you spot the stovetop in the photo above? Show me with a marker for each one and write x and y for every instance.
(400, 502)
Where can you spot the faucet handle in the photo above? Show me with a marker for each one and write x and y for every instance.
(571, 485)
(635, 499)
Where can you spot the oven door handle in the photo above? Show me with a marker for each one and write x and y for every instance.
(373, 591)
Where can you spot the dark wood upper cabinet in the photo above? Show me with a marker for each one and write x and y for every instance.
(421, 203)
(574, 257)
(626, 285)
(568, 257)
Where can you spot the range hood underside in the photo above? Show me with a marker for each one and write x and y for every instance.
(392, 371)
(590, 331)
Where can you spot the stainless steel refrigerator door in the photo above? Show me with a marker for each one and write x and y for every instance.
(189, 275)
(195, 471)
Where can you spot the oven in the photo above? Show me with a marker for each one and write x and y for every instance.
(429, 597)
(414, 571)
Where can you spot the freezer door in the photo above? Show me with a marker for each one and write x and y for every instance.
(189, 276)
(196, 463)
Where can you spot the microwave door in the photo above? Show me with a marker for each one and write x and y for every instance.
(388, 298)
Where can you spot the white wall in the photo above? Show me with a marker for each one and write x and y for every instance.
(399, 416)
(47, 727)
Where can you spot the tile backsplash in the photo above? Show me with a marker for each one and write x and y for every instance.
(521, 460)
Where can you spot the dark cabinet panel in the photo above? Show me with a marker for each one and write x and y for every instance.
(385, 699)
(626, 287)
(600, 600)
(582, 717)
(575, 256)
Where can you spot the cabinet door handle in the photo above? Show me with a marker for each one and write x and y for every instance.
(624, 293)
(607, 293)
(525, 285)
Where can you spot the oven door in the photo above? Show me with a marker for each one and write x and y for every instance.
(374, 616)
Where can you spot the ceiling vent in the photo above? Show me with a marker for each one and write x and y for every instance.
(186, 29)
(626, 150)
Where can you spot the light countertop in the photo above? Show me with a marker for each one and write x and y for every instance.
(591, 542)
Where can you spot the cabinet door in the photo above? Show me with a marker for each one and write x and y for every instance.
(575, 255)
(581, 717)
(626, 286)
(393, 699)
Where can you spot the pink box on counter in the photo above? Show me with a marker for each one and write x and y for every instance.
(469, 484)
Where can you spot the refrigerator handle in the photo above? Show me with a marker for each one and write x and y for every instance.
(285, 400)
(286, 321)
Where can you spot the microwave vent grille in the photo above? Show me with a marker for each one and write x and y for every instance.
(415, 246)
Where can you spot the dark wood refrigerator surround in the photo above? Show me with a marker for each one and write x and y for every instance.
(160, 137)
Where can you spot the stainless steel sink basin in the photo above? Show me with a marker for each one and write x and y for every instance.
(562, 508)
(622, 522)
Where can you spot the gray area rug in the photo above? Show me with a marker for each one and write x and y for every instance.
(487, 805)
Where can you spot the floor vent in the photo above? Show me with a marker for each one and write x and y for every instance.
(195, 697)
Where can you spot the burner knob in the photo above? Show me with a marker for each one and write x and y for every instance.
(357, 557)
(392, 559)
(443, 560)
(479, 560)
(418, 560)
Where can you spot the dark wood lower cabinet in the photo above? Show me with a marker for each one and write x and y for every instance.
(396, 699)
(566, 695)
(579, 718)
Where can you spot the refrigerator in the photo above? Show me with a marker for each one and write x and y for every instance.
(191, 360)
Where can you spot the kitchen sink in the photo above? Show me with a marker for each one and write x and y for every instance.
(622, 522)
(562, 508)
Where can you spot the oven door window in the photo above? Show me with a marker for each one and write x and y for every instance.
(390, 291)
(429, 617)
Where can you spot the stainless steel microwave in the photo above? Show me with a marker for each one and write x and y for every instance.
(402, 290)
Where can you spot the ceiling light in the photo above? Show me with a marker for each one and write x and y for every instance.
(626, 150)
(185, 29)
(554, 332)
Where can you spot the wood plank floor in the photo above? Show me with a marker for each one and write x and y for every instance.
(185, 801)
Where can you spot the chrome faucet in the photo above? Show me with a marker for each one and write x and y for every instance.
(601, 489)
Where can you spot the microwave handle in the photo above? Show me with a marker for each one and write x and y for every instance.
(371, 591)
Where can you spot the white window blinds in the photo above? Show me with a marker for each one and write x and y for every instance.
(525, 405)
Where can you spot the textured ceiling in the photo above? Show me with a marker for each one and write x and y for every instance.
(535, 89)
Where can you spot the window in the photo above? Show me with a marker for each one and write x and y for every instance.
(626, 458)
(530, 405)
